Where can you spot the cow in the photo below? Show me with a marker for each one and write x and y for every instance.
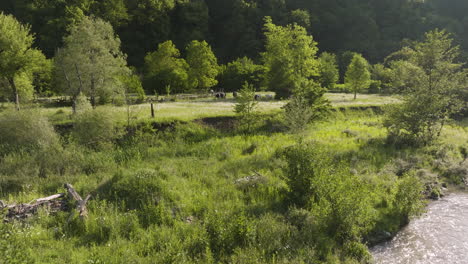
(220, 95)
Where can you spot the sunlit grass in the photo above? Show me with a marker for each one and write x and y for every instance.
(196, 168)
(208, 107)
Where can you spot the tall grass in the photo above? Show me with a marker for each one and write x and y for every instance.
(190, 193)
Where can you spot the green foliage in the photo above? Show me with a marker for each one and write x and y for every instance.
(192, 22)
(165, 68)
(301, 17)
(308, 102)
(234, 27)
(18, 60)
(143, 191)
(357, 75)
(290, 58)
(329, 74)
(236, 73)
(133, 85)
(203, 66)
(408, 198)
(381, 79)
(341, 204)
(25, 130)
(188, 193)
(344, 59)
(14, 244)
(82, 104)
(298, 114)
(246, 106)
(303, 164)
(91, 61)
(431, 80)
(95, 129)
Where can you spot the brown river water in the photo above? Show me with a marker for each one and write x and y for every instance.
(438, 236)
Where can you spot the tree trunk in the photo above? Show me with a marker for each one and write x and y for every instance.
(15, 92)
(355, 94)
(74, 97)
(93, 93)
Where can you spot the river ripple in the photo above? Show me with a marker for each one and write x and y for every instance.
(439, 236)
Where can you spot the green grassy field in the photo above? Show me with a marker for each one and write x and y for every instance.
(196, 194)
(211, 107)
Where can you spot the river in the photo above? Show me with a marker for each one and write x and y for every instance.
(438, 236)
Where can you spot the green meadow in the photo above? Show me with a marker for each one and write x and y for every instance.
(186, 110)
(188, 187)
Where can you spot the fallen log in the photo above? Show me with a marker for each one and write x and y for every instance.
(52, 204)
(23, 211)
(81, 206)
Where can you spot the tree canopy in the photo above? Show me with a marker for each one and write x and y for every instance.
(234, 27)
(357, 75)
(18, 59)
(432, 80)
(203, 65)
(91, 61)
(164, 68)
(290, 58)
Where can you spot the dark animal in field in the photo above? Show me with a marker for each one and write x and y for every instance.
(234, 94)
(257, 97)
(220, 95)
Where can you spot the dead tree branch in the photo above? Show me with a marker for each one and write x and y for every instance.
(51, 204)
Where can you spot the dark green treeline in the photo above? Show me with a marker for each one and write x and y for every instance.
(233, 28)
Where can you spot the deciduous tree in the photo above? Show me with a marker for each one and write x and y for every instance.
(290, 58)
(432, 83)
(18, 59)
(203, 65)
(329, 73)
(357, 76)
(164, 68)
(236, 73)
(91, 61)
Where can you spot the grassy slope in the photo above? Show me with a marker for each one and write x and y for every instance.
(197, 169)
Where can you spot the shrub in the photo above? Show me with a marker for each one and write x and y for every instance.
(302, 165)
(95, 129)
(82, 104)
(297, 114)
(342, 88)
(341, 203)
(457, 173)
(408, 198)
(415, 122)
(25, 130)
(274, 236)
(143, 191)
(245, 107)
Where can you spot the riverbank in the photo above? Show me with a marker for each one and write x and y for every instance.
(439, 236)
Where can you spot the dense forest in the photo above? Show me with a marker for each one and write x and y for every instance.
(233, 32)
(233, 28)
